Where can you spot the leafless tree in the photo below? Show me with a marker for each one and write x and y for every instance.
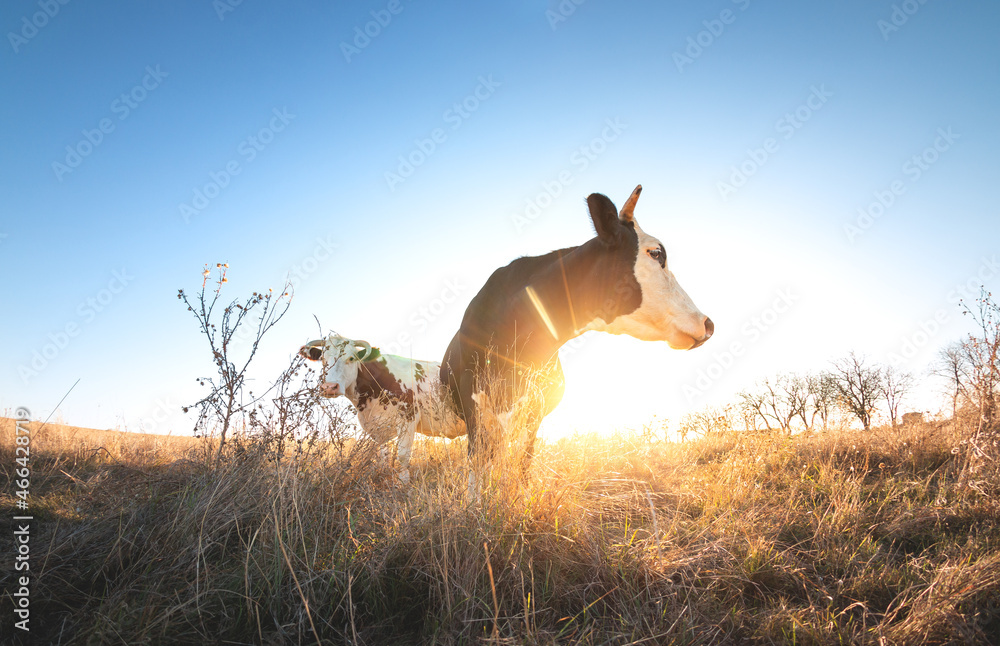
(795, 391)
(952, 365)
(707, 421)
(752, 404)
(726, 417)
(775, 404)
(823, 397)
(225, 403)
(746, 413)
(895, 385)
(695, 424)
(777, 399)
(859, 386)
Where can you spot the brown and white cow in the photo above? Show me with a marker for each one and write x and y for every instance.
(617, 282)
(394, 396)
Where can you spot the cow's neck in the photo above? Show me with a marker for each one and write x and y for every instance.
(564, 302)
(374, 381)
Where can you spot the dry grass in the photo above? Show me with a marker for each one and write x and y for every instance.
(828, 539)
(78, 443)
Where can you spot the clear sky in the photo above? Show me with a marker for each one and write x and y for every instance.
(822, 175)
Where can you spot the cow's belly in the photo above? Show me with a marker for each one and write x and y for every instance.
(437, 414)
(381, 422)
(435, 422)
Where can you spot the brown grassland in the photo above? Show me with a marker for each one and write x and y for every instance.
(840, 537)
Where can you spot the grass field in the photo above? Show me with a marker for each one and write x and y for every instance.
(739, 538)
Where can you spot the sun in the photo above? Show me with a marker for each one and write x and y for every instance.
(613, 384)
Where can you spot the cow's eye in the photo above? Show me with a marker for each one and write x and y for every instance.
(658, 254)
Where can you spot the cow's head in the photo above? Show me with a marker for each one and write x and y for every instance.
(641, 296)
(341, 358)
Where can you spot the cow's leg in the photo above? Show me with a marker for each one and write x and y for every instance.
(404, 448)
(533, 421)
(470, 412)
(371, 425)
(529, 446)
(477, 450)
(552, 394)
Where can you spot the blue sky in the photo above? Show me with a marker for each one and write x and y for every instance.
(820, 173)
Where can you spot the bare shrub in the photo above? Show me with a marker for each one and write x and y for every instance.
(292, 417)
(982, 352)
(226, 404)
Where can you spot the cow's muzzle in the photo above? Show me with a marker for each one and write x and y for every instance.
(327, 389)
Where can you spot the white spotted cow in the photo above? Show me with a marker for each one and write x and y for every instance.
(390, 393)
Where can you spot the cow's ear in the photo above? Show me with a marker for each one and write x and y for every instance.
(605, 216)
(311, 352)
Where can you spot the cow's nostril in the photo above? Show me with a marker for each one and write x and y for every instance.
(709, 327)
